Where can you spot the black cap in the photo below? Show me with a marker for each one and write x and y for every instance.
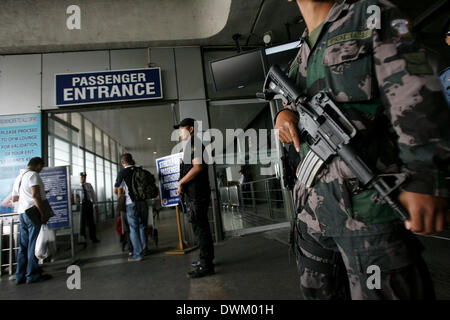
(83, 174)
(186, 122)
(446, 26)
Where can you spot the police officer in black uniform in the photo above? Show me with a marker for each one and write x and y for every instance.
(87, 209)
(194, 188)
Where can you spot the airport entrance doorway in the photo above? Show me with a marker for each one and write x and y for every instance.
(92, 141)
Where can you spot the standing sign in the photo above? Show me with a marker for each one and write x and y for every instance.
(108, 86)
(20, 140)
(169, 172)
(57, 188)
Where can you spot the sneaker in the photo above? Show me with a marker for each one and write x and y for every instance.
(132, 259)
(43, 277)
(201, 272)
(195, 264)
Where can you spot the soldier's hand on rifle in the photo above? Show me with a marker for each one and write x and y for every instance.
(427, 213)
(286, 128)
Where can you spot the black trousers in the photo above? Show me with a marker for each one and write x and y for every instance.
(198, 215)
(87, 217)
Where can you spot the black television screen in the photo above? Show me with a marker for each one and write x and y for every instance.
(238, 71)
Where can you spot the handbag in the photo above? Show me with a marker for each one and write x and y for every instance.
(35, 216)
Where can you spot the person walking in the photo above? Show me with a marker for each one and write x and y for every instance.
(137, 209)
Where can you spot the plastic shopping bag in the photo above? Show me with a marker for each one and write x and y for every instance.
(51, 242)
(41, 251)
(150, 217)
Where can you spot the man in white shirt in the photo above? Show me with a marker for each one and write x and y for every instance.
(29, 191)
(89, 198)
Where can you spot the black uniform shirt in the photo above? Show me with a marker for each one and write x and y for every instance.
(197, 188)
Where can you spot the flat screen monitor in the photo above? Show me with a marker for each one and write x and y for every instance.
(282, 55)
(238, 71)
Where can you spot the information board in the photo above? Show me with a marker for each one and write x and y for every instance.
(169, 172)
(108, 86)
(57, 188)
(20, 140)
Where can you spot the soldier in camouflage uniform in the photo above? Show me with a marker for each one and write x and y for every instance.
(383, 82)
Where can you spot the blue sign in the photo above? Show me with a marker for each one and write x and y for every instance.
(20, 140)
(445, 80)
(56, 182)
(169, 172)
(108, 86)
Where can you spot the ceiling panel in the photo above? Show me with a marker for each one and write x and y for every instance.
(132, 126)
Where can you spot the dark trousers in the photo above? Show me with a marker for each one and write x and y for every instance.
(337, 267)
(125, 238)
(87, 217)
(198, 214)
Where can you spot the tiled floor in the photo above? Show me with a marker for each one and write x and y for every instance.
(252, 267)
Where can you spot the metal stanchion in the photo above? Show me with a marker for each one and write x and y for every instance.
(16, 243)
(216, 224)
(253, 198)
(11, 245)
(1, 246)
(72, 237)
(266, 186)
(181, 247)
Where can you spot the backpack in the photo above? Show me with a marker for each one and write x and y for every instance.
(143, 184)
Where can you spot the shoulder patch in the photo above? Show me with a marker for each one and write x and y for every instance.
(400, 28)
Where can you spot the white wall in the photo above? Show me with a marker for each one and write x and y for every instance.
(24, 90)
(20, 84)
(68, 62)
(191, 88)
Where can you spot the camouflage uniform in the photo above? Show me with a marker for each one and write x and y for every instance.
(383, 82)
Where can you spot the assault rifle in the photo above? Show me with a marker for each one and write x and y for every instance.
(328, 133)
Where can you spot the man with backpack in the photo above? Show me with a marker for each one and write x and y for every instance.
(139, 185)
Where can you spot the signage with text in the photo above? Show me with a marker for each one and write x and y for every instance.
(20, 140)
(56, 182)
(108, 86)
(169, 172)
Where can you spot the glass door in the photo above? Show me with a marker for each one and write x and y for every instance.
(247, 165)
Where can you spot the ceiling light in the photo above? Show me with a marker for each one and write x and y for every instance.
(267, 37)
(154, 152)
(149, 138)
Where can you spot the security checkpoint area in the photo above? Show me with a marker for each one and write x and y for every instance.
(101, 87)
